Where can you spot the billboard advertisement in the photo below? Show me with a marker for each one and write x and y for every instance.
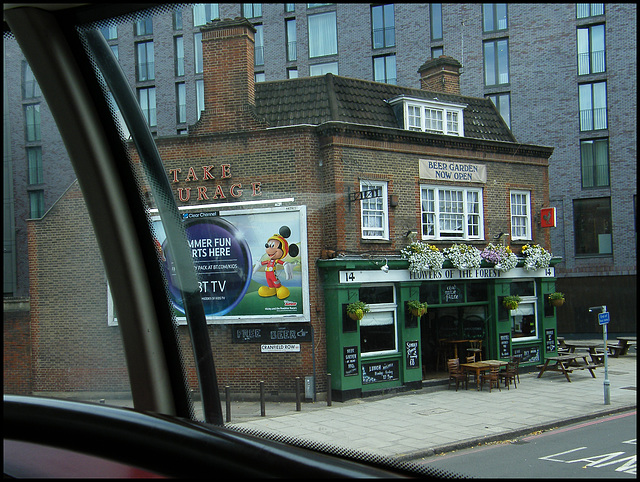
(251, 264)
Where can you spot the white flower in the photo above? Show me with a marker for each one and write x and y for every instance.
(423, 257)
(463, 256)
(535, 257)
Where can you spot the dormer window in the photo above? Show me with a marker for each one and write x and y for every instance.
(429, 115)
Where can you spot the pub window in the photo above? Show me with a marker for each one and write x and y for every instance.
(449, 213)
(592, 226)
(378, 328)
(374, 211)
(524, 320)
(520, 215)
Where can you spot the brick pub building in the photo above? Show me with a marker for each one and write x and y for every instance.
(356, 170)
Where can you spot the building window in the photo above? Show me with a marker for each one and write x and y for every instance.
(36, 204)
(436, 52)
(323, 35)
(30, 87)
(584, 10)
(259, 45)
(503, 105)
(32, 122)
(437, 118)
(197, 49)
(259, 77)
(594, 158)
(593, 106)
(451, 213)
(147, 101)
(524, 320)
(378, 329)
(496, 62)
(321, 69)
(383, 26)
(114, 49)
(251, 10)
(520, 215)
(110, 32)
(591, 50)
(34, 159)
(494, 17)
(181, 103)
(178, 45)
(374, 210)
(204, 12)
(292, 47)
(292, 73)
(177, 19)
(289, 7)
(199, 97)
(435, 15)
(145, 63)
(144, 27)
(384, 69)
(592, 226)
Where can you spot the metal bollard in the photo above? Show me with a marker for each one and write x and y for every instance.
(297, 394)
(328, 389)
(262, 399)
(228, 399)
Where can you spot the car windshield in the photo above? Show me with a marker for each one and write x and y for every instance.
(260, 229)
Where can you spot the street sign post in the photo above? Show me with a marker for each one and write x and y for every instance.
(603, 319)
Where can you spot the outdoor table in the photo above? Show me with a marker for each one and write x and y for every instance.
(566, 364)
(624, 343)
(455, 345)
(589, 345)
(481, 366)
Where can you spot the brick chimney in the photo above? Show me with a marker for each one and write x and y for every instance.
(228, 51)
(441, 75)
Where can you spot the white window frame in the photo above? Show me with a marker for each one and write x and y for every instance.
(431, 116)
(525, 302)
(516, 214)
(434, 212)
(374, 308)
(381, 207)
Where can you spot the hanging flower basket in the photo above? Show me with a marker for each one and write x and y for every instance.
(416, 308)
(500, 256)
(511, 302)
(556, 299)
(423, 257)
(463, 256)
(357, 310)
(535, 257)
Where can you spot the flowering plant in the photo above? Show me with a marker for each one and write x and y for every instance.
(463, 256)
(502, 257)
(423, 257)
(536, 257)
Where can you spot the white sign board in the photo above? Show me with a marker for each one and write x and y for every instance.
(280, 348)
(452, 171)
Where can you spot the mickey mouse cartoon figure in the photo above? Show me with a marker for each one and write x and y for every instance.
(277, 249)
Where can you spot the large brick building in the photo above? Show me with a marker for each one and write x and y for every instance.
(354, 169)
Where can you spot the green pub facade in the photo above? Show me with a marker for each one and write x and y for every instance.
(389, 347)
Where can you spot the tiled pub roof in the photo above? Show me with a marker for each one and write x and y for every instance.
(327, 98)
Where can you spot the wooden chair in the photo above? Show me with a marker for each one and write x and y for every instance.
(516, 361)
(471, 359)
(509, 375)
(456, 373)
(492, 377)
(475, 347)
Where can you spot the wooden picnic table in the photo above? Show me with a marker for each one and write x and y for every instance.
(567, 363)
(481, 366)
(623, 345)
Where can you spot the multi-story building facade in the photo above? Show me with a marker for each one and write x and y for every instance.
(561, 75)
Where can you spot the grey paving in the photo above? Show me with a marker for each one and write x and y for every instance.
(435, 419)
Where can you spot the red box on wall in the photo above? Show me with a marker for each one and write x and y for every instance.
(548, 217)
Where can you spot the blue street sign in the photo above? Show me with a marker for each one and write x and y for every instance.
(603, 318)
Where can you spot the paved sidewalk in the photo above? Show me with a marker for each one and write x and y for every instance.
(434, 420)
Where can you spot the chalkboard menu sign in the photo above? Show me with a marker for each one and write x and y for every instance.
(505, 345)
(350, 360)
(270, 333)
(412, 354)
(452, 293)
(550, 339)
(527, 353)
(380, 372)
